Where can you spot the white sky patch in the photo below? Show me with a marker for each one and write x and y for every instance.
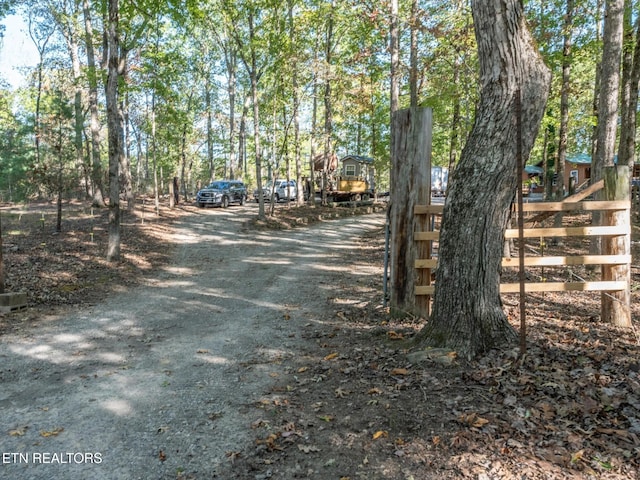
(16, 50)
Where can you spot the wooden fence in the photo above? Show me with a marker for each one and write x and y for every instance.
(539, 210)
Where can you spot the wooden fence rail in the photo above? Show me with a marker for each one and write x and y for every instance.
(430, 264)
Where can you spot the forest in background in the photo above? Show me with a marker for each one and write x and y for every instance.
(204, 83)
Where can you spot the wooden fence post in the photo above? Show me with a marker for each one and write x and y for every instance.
(410, 186)
(616, 306)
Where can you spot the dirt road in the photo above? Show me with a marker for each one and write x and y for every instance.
(160, 381)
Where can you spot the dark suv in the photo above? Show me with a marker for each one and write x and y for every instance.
(222, 193)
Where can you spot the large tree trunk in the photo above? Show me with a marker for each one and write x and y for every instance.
(606, 129)
(467, 311)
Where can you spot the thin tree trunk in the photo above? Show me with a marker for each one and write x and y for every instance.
(328, 112)
(314, 127)
(296, 114)
(242, 135)
(41, 46)
(115, 132)
(209, 107)
(564, 111)
(413, 55)
(72, 44)
(231, 61)
(467, 311)
(256, 117)
(126, 180)
(96, 170)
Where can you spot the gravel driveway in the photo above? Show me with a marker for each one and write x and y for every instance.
(161, 381)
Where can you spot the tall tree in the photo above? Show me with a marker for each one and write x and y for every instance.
(606, 129)
(467, 312)
(630, 81)
(564, 104)
(328, 101)
(40, 32)
(94, 123)
(114, 123)
(610, 87)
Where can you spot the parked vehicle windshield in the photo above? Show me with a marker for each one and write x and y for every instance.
(219, 185)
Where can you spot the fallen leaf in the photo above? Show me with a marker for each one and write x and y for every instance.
(303, 369)
(472, 420)
(395, 335)
(202, 350)
(576, 457)
(18, 432)
(340, 393)
(51, 433)
(380, 434)
(162, 456)
(479, 422)
(399, 371)
(331, 356)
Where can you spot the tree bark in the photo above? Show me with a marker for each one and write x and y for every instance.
(413, 54)
(564, 114)
(629, 96)
(96, 170)
(608, 101)
(328, 106)
(467, 312)
(115, 133)
(610, 87)
(253, 73)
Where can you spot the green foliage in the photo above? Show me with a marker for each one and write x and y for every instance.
(15, 152)
(181, 57)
